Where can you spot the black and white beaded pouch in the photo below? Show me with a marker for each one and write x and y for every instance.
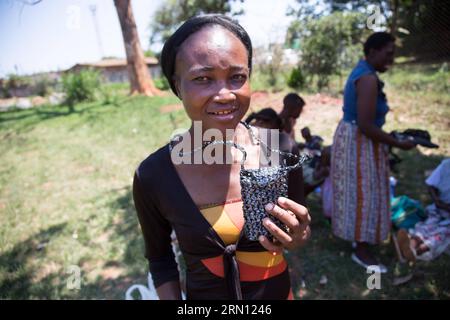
(262, 186)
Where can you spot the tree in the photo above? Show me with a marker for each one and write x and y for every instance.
(421, 26)
(328, 44)
(172, 13)
(140, 78)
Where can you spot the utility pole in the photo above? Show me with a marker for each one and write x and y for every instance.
(93, 9)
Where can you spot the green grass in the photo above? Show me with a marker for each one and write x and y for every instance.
(65, 199)
(65, 183)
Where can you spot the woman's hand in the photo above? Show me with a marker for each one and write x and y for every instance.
(295, 217)
(406, 145)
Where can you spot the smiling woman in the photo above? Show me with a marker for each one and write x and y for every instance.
(208, 59)
(359, 161)
(214, 88)
(207, 62)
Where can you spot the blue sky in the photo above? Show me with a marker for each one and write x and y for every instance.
(56, 34)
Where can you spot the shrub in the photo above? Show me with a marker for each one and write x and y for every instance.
(161, 83)
(296, 79)
(329, 44)
(43, 86)
(109, 96)
(80, 86)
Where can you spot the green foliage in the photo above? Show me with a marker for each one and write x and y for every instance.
(261, 80)
(12, 82)
(296, 79)
(272, 66)
(420, 78)
(43, 86)
(80, 86)
(424, 26)
(328, 44)
(16, 81)
(172, 13)
(149, 54)
(109, 96)
(420, 25)
(161, 83)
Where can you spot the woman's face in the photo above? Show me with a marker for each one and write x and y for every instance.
(383, 57)
(212, 78)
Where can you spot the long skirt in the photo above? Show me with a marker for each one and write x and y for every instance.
(360, 186)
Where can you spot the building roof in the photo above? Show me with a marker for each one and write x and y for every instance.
(109, 63)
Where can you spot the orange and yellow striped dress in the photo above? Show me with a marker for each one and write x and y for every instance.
(227, 221)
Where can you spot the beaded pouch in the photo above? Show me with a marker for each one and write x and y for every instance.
(262, 186)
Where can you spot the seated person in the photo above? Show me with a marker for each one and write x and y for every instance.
(267, 118)
(430, 238)
(316, 171)
(292, 108)
(311, 142)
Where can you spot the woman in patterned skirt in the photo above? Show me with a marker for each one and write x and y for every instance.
(359, 164)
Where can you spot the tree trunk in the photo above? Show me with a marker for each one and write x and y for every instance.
(140, 78)
(394, 17)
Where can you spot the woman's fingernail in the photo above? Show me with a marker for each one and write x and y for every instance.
(269, 206)
(281, 200)
(261, 238)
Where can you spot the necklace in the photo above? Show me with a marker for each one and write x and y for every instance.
(253, 137)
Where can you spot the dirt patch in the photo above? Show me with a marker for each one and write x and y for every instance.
(321, 113)
(112, 273)
(45, 271)
(264, 99)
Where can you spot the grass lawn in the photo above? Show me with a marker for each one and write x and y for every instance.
(65, 199)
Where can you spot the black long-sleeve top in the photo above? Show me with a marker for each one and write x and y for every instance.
(163, 204)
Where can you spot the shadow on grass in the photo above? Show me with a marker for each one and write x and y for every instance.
(117, 275)
(128, 230)
(17, 268)
(23, 275)
(36, 115)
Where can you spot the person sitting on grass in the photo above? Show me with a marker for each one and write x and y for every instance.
(430, 238)
(265, 118)
(292, 108)
(268, 118)
(316, 171)
(312, 142)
